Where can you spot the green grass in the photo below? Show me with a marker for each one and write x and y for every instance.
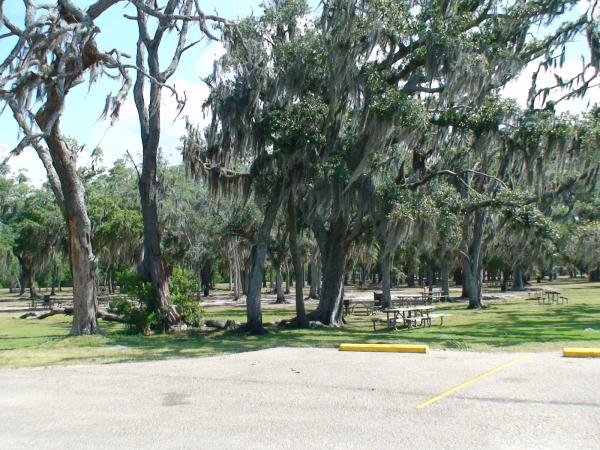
(513, 325)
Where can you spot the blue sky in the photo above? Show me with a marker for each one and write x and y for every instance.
(83, 108)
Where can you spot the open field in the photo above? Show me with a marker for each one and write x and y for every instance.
(512, 324)
(309, 398)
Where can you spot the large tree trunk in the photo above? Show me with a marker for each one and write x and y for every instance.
(518, 279)
(472, 285)
(297, 262)
(83, 261)
(386, 268)
(26, 277)
(329, 311)
(473, 267)
(259, 252)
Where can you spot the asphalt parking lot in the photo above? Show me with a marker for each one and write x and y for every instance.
(308, 398)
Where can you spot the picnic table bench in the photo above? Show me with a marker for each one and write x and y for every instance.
(368, 306)
(410, 317)
(357, 305)
(45, 301)
(547, 297)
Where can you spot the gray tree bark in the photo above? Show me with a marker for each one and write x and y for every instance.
(315, 275)
(258, 255)
(153, 268)
(279, 285)
(473, 227)
(334, 249)
(297, 262)
(386, 268)
(445, 283)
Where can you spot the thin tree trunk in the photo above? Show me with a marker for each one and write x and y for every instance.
(237, 287)
(445, 284)
(315, 276)
(205, 276)
(287, 277)
(31, 283)
(297, 262)
(153, 268)
(504, 283)
(279, 285)
(22, 278)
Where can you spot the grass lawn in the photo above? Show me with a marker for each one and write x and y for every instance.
(506, 325)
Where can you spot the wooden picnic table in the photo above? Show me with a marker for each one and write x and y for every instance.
(552, 296)
(410, 299)
(369, 306)
(409, 316)
(547, 296)
(46, 301)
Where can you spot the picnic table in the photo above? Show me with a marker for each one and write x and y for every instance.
(411, 317)
(45, 301)
(550, 296)
(407, 300)
(547, 296)
(368, 306)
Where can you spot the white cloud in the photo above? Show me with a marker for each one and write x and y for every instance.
(519, 88)
(124, 135)
(27, 162)
(207, 59)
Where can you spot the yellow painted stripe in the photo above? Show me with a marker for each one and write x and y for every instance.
(581, 352)
(398, 348)
(466, 384)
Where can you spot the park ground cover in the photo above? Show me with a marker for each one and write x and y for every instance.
(513, 324)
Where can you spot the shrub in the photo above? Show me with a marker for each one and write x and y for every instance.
(143, 318)
(184, 285)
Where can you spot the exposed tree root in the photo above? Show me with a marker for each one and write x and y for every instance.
(101, 314)
(220, 325)
(286, 324)
(257, 329)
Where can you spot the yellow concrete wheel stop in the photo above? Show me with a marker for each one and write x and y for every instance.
(394, 348)
(581, 352)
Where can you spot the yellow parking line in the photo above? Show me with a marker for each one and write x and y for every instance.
(466, 384)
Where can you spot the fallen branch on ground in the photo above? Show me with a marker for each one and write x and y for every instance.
(101, 314)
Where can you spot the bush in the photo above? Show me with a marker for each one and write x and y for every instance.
(143, 318)
(184, 285)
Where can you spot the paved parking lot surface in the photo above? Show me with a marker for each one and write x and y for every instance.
(308, 398)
